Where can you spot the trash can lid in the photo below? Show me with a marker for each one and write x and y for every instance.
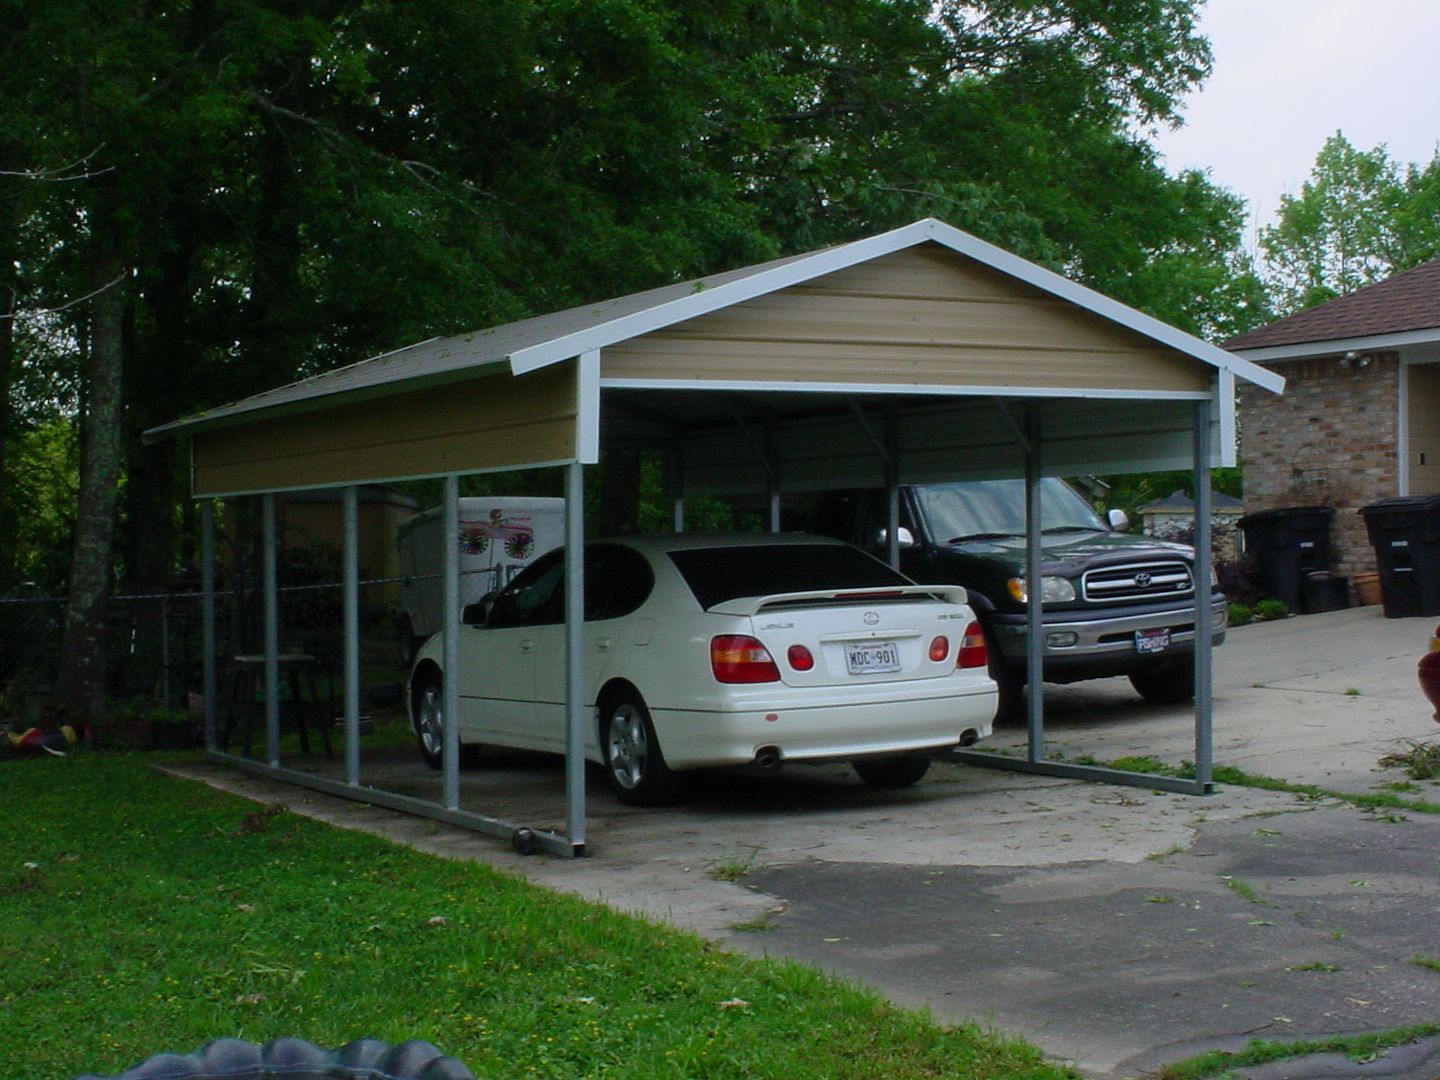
(1413, 504)
(1287, 511)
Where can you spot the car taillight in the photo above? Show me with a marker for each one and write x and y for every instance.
(739, 658)
(940, 648)
(973, 653)
(800, 658)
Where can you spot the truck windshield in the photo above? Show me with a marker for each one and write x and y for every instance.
(974, 509)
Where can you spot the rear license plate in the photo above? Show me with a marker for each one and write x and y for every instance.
(1152, 641)
(872, 657)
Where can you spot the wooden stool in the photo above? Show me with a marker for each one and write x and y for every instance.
(248, 684)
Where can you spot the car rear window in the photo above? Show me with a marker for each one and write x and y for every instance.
(723, 573)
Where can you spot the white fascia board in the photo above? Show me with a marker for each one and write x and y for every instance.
(1104, 306)
(1225, 434)
(1308, 349)
(385, 479)
(926, 389)
(714, 298)
(587, 408)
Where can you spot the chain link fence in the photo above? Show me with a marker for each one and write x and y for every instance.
(155, 661)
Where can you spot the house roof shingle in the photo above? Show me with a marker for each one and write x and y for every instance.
(1408, 301)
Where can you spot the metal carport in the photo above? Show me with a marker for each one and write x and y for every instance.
(919, 354)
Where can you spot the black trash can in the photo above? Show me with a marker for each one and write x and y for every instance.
(1288, 544)
(1405, 533)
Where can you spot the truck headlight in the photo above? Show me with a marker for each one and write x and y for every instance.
(1053, 590)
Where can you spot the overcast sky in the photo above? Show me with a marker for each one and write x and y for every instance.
(1289, 73)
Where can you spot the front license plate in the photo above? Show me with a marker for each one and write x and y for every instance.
(1152, 641)
(872, 657)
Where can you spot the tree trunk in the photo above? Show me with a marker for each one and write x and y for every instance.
(9, 302)
(81, 690)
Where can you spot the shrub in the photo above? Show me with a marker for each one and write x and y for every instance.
(1271, 609)
(1240, 614)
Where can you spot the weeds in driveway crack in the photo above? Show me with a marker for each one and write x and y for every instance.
(1242, 889)
(1358, 1048)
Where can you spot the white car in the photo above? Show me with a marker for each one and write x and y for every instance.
(703, 650)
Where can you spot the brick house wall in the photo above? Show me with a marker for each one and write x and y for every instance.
(1330, 440)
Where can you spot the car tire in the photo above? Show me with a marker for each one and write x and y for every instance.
(428, 723)
(899, 771)
(1166, 682)
(634, 762)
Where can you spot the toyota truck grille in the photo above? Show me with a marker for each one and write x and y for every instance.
(1138, 581)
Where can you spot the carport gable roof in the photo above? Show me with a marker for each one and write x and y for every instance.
(532, 344)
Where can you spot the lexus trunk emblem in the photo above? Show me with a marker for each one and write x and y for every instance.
(871, 618)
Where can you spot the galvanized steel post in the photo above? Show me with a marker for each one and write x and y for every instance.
(272, 632)
(892, 485)
(351, 604)
(207, 618)
(1034, 622)
(450, 628)
(575, 716)
(1204, 614)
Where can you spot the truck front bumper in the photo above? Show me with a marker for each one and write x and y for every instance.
(1095, 643)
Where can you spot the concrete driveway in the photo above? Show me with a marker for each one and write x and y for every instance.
(1118, 928)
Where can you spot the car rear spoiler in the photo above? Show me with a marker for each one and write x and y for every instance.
(753, 605)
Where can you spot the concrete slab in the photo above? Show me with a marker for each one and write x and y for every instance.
(1119, 928)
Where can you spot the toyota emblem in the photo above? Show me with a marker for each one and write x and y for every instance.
(871, 618)
(1142, 579)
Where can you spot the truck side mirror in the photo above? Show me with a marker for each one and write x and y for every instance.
(907, 538)
(1118, 519)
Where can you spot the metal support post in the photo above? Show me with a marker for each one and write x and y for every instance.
(1034, 622)
(351, 614)
(165, 652)
(892, 485)
(272, 632)
(450, 538)
(675, 474)
(1204, 613)
(772, 475)
(207, 619)
(575, 714)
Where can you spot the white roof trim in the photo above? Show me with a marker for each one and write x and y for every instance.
(830, 260)
(928, 389)
(1341, 345)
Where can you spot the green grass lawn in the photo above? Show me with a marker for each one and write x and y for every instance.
(144, 913)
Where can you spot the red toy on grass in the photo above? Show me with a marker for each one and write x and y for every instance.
(1429, 673)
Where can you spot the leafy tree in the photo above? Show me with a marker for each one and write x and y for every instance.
(1357, 220)
(266, 189)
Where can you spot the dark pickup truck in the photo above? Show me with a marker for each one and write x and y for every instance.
(1114, 603)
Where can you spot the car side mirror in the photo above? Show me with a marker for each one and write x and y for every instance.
(478, 613)
(906, 537)
(1118, 519)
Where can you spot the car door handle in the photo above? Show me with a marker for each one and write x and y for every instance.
(527, 645)
(602, 645)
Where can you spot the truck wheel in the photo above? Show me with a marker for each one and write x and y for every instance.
(1009, 682)
(1166, 682)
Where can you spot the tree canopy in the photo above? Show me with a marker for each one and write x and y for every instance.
(1358, 219)
(202, 200)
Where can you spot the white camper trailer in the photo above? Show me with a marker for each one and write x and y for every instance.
(498, 538)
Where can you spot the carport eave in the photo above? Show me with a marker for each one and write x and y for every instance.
(902, 389)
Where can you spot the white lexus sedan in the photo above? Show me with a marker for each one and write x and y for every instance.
(703, 650)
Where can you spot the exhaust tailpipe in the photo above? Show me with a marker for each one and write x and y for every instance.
(768, 759)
